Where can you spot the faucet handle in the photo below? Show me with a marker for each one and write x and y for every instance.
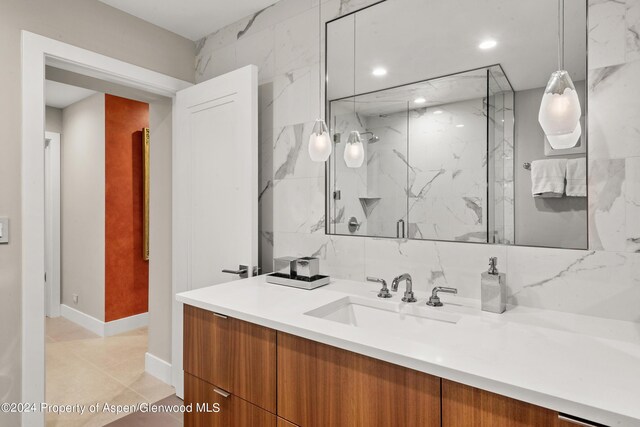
(384, 292)
(434, 300)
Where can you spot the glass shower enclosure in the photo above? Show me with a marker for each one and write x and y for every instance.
(438, 160)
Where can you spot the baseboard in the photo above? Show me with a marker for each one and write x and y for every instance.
(178, 383)
(126, 324)
(88, 322)
(101, 328)
(157, 367)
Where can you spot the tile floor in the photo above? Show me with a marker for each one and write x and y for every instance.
(83, 368)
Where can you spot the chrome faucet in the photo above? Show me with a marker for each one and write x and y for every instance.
(384, 292)
(408, 293)
(434, 301)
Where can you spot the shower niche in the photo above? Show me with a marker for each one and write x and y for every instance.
(431, 148)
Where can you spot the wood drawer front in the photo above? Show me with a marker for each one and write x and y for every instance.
(234, 411)
(468, 406)
(320, 385)
(284, 423)
(207, 349)
(237, 356)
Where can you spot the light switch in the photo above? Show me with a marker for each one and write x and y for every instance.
(4, 230)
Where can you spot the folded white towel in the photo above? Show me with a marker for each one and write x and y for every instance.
(577, 177)
(547, 177)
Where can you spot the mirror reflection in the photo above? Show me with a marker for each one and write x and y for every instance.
(435, 122)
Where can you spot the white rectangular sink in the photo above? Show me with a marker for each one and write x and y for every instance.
(399, 319)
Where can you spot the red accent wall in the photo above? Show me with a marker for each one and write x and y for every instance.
(126, 272)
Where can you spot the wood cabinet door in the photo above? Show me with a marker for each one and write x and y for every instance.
(320, 385)
(253, 364)
(211, 409)
(468, 406)
(207, 346)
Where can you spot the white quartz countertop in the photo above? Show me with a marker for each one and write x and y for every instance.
(579, 365)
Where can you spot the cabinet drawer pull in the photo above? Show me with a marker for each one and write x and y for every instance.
(221, 392)
(222, 316)
(578, 421)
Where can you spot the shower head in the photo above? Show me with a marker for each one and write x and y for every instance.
(372, 139)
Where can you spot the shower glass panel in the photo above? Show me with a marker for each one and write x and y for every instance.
(435, 159)
(501, 132)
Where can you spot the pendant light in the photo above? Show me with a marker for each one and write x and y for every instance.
(319, 140)
(354, 150)
(560, 110)
(565, 141)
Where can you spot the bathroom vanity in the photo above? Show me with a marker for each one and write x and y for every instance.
(276, 356)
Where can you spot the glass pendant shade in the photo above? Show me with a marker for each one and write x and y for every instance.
(569, 140)
(320, 142)
(354, 150)
(560, 111)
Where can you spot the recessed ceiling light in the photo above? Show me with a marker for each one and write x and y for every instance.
(487, 44)
(460, 126)
(379, 72)
(437, 112)
(420, 100)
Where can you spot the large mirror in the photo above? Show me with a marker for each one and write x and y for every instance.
(444, 96)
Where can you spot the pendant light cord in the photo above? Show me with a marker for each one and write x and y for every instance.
(355, 115)
(320, 59)
(561, 34)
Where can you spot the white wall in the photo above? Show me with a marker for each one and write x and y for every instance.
(92, 25)
(53, 120)
(82, 207)
(160, 292)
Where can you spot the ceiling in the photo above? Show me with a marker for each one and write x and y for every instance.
(192, 19)
(445, 90)
(60, 95)
(416, 40)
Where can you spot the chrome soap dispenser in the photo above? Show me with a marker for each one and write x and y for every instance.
(494, 288)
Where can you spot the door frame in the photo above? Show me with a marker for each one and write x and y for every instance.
(38, 51)
(52, 224)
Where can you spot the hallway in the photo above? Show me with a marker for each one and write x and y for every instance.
(84, 368)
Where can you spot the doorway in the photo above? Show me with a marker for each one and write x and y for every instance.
(190, 107)
(97, 273)
(38, 51)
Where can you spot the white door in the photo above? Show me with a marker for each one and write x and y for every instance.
(52, 223)
(215, 187)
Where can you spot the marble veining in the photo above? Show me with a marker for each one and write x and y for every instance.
(250, 22)
(605, 283)
(607, 33)
(633, 29)
(571, 268)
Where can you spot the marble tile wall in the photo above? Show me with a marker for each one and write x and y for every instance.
(603, 281)
(387, 172)
(448, 174)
